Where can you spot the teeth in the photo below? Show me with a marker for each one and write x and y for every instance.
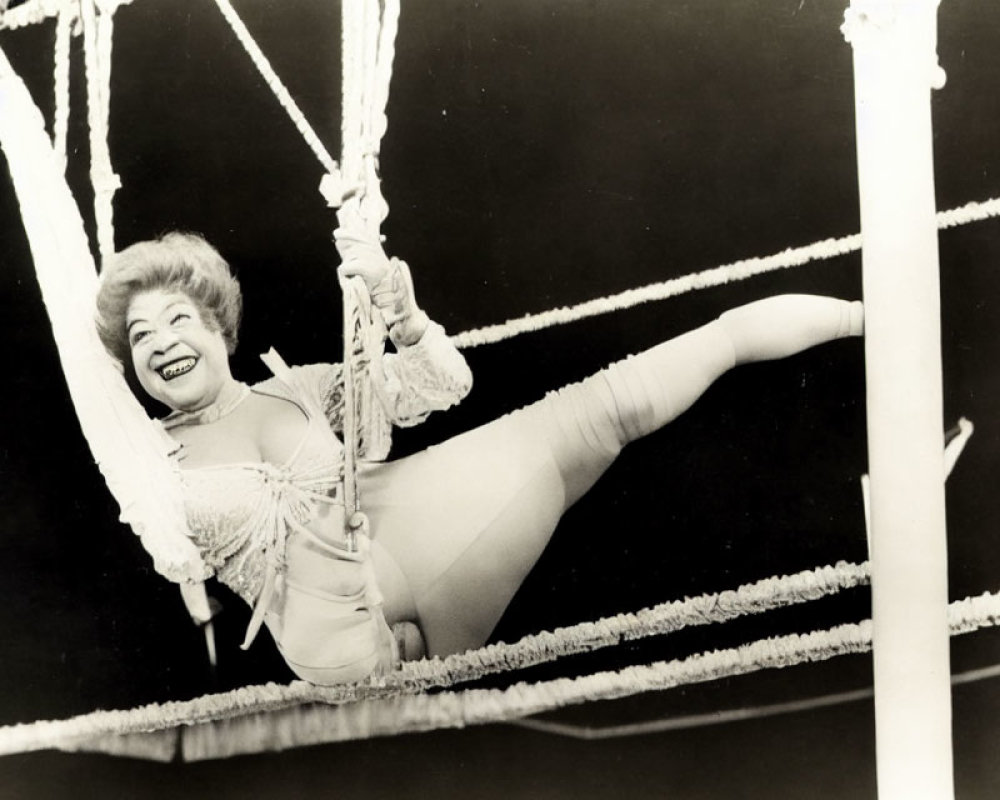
(176, 368)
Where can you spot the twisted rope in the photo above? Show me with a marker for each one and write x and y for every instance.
(717, 276)
(368, 51)
(97, 37)
(60, 125)
(275, 85)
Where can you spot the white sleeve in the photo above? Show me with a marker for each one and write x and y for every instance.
(429, 375)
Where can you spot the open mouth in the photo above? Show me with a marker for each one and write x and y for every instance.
(175, 369)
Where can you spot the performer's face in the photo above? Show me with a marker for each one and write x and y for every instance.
(179, 356)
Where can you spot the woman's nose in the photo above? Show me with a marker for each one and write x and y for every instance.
(164, 340)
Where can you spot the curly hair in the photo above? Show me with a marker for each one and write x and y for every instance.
(178, 262)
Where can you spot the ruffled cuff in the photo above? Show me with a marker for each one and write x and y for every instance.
(428, 375)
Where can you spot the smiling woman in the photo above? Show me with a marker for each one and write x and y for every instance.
(523, 177)
(173, 325)
(169, 338)
(466, 519)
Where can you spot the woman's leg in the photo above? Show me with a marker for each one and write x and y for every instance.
(642, 393)
(466, 521)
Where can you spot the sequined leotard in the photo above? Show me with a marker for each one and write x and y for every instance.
(255, 522)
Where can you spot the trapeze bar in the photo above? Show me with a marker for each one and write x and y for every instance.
(895, 65)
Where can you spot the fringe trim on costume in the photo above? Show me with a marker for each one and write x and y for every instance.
(717, 276)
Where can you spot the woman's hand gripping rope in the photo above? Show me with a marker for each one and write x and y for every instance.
(388, 279)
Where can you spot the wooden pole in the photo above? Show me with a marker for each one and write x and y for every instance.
(895, 68)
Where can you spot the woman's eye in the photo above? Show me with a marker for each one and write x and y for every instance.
(181, 317)
(138, 336)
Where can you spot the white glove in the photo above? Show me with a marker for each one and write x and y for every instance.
(360, 250)
(388, 280)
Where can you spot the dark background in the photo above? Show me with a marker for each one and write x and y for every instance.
(540, 153)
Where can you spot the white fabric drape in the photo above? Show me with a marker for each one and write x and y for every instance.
(130, 449)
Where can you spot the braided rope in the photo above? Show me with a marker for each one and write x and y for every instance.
(367, 50)
(717, 276)
(60, 125)
(275, 85)
(352, 80)
(97, 37)
(383, 67)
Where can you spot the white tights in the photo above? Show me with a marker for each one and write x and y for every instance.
(462, 523)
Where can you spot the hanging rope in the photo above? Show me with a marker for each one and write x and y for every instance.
(97, 37)
(60, 125)
(368, 33)
(367, 46)
(368, 49)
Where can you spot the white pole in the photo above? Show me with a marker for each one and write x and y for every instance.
(895, 66)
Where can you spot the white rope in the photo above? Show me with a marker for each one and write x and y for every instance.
(31, 13)
(970, 212)
(594, 733)
(64, 28)
(383, 67)
(275, 85)
(352, 85)
(368, 49)
(413, 713)
(352, 81)
(717, 276)
(416, 676)
(97, 37)
(233, 723)
(368, 40)
(755, 598)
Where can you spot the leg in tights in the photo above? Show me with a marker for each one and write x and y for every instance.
(642, 393)
(467, 520)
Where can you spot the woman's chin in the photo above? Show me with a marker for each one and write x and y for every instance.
(181, 398)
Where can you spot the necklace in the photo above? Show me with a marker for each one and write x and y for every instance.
(237, 392)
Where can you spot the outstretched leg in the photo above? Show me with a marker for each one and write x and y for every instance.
(594, 419)
(465, 521)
